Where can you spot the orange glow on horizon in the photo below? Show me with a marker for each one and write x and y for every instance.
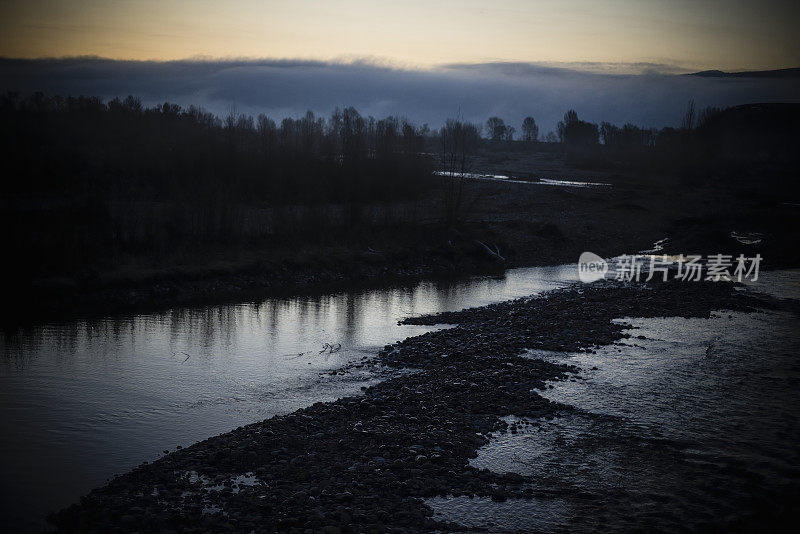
(732, 35)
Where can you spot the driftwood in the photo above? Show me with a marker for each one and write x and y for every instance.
(495, 254)
(331, 348)
(184, 353)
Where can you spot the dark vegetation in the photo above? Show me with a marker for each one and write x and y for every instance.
(71, 147)
(89, 179)
(95, 187)
(747, 134)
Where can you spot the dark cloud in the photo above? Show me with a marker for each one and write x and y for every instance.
(654, 97)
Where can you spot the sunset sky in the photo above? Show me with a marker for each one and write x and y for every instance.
(688, 34)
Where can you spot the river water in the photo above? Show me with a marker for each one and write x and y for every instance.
(662, 423)
(82, 401)
(686, 424)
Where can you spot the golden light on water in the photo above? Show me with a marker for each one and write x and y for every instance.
(732, 35)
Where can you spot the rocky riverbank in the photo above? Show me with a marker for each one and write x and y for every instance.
(365, 463)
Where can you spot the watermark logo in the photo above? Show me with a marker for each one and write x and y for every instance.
(691, 268)
(591, 267)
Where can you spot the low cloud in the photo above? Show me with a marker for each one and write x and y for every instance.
(653, 97)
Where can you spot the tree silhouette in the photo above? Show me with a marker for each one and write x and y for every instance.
(688, 117)
(530, 131)
(496, 129)
(459, 142)
(577, 133)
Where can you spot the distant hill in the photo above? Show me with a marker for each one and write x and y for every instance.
(778, 73)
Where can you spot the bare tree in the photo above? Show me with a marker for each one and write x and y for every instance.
(707, 114)
(269, 135)
(459, 142)
(688, 117)
(510, 131)
(496, 129)
(570, 117)
(530, 131)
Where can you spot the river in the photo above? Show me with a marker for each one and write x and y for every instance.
(81, 401)
(688, 423)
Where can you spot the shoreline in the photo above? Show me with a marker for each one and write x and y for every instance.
(255, 283)
(531, 225)
(365, 463)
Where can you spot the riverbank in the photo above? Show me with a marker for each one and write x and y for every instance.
(365, 463)
(528, 223)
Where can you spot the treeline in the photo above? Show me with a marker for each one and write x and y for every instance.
(745, 133)
(574, 132)
(82, 147)
(90, 183)
(86, 180)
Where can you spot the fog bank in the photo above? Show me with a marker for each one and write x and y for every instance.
(283, 88)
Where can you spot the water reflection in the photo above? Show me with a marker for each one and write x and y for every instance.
(510, 180)
(83, 400)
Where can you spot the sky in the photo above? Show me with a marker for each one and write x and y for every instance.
(669, 34)
(610, 60)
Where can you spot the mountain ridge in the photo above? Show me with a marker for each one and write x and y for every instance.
(793, 72)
